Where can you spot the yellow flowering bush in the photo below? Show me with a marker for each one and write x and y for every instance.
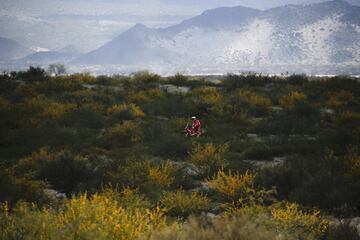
(183, 204)
(347, 117)
(144, 96)
(209, 156)
(339, 99)
(42, 109)
(288, 221)
(83, 96)
(83, 77)
(83, 217)
(232, 185)
(291, 99)
(209, 95)
(240, 189)
(126, 132)
(162, 174)
(253, 99)
(211, 98)
(132, 109)
(145, 174)
(292, 218)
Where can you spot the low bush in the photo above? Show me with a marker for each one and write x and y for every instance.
(209, 156)
(342, 231)
(83, 217)
(126, 111)
(149, 177)
(124, 134)
(172, 145)
(291, 99)
(239, 189)
(307, 225)
(244, 228)
(182, 204)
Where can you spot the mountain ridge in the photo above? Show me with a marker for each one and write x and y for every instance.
(11, 49)
(292, 34)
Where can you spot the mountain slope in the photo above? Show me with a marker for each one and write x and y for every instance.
(10, 49)
(318, 34)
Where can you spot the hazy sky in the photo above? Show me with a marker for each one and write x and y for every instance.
(87, 24)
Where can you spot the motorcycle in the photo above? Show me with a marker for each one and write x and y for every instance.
(189, 131)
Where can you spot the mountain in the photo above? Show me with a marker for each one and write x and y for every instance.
(321, 34)
(46, 57)
(10, 50)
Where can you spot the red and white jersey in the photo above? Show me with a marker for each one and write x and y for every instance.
(196, 125)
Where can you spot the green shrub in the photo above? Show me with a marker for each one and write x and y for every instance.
(62, 170)
(33, 74)
(298, 79)
(172, 145)
(233, 81)
(342, 231)
(17, 188)
(126, 133)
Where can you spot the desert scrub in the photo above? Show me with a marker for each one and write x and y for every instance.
(342, 231)
(287, 220)
(178, 123)
(339, 99)
(352, 159)
(239, 189)
(307, 225)
(83, 217)
(209, 156)
(129, 132)
(232, 185)
(4, 104)
(144, 96)
(128, 198)
(182, 204)
(162, 174)
(149, 177)
(209, 98)
(251, 98)
(127, 110)
(43, 109)
(209, 95)
(290, 100)
(83, 78)
(347, 118)
(244, 228)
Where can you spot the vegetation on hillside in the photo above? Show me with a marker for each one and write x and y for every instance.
(85, 157)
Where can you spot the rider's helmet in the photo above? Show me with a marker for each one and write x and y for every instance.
(193, 117)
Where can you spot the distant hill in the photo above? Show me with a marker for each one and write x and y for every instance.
(325, 33)
(49, 57)
(10, 50)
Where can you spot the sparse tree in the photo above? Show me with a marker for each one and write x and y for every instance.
(56, 69)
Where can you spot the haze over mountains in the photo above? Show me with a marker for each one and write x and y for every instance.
(321, 38)
(11, 49)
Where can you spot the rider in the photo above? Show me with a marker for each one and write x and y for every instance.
(196, 126)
